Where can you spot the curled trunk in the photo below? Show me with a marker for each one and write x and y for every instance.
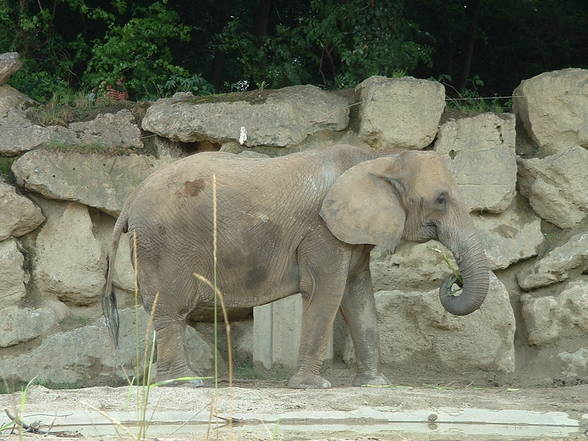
(475, 274)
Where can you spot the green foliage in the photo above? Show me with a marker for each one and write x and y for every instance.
(155, 48)
(68, 106)
(338, 44)
(358, 39)
(136, 55)
(63, 107)
(47, 67)
(469, 100)
(280, 60)
(187, 83)
(5, 164)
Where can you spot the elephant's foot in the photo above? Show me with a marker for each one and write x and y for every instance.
(308, 381)
(365, 379)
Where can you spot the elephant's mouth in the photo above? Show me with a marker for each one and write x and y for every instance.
(447, 287)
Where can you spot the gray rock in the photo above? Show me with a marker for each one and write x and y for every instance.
(166, 148)
(553, 107)
(319, 140)
(242, 340)
(10, 63)
(12, 99)
(69, 263)
(556, 265)
(417, 334)
(18, 214)
(12, 274)
(412, 266)
(106, 130)
(200, 353)
(124, 274)
(82, 356)
(576, 363)
(510, 236)
(23, 324)
(252, 154)
(556, 186)
(551, 318)
(17, 133)
(85, 356)
(399, 112)
(98, 180)
(480, 152)
(273, 117)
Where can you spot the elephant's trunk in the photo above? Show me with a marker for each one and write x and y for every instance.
(475, 273)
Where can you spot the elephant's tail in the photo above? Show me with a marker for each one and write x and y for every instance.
(109, 307)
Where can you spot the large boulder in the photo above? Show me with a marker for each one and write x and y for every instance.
(411, 266)
(554, 317)
(17, 133)
(98, 180)
(556, 186)
(553, 107)
(510, 236)
(18, 324)
(416, 333)
(106, 130)
(84, 356)
(12, 274)
(10, 63)
(18, 214)
(557, 264)
(69, 262)
(275, 118)
(575, 363)
(399, 113)
(124, 274)
(480, 153)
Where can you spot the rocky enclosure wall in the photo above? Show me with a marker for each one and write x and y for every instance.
(524, 176)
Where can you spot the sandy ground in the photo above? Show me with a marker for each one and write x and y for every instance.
(266, 410)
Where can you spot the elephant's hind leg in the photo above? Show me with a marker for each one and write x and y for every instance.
(169, 297)
(172, 360)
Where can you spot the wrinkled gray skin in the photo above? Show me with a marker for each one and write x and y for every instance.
(305, 223)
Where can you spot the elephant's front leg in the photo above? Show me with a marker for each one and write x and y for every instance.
(359, 312)
(324, 263)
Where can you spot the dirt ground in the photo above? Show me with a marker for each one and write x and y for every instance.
(267, 410)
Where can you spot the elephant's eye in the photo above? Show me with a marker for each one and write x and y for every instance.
(442, 200)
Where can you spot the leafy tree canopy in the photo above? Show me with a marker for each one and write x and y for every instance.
(150, 49)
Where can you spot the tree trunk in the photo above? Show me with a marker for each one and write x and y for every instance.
(473, 31)
(262, 20)
(218, 64)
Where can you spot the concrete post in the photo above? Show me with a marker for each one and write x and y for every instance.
(276, 333)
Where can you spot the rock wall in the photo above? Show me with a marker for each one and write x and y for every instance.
(529, 201)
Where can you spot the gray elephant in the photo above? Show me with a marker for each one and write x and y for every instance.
(305, 222)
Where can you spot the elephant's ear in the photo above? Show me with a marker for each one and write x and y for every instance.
(363, 205)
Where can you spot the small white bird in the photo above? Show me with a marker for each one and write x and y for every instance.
(242, 135)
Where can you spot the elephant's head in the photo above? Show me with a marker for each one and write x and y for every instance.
(410, 196)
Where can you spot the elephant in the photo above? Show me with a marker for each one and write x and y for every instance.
(301, 223)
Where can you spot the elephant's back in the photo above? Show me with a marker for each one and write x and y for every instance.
(259, 185)
(184, 188)
(192, 177)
